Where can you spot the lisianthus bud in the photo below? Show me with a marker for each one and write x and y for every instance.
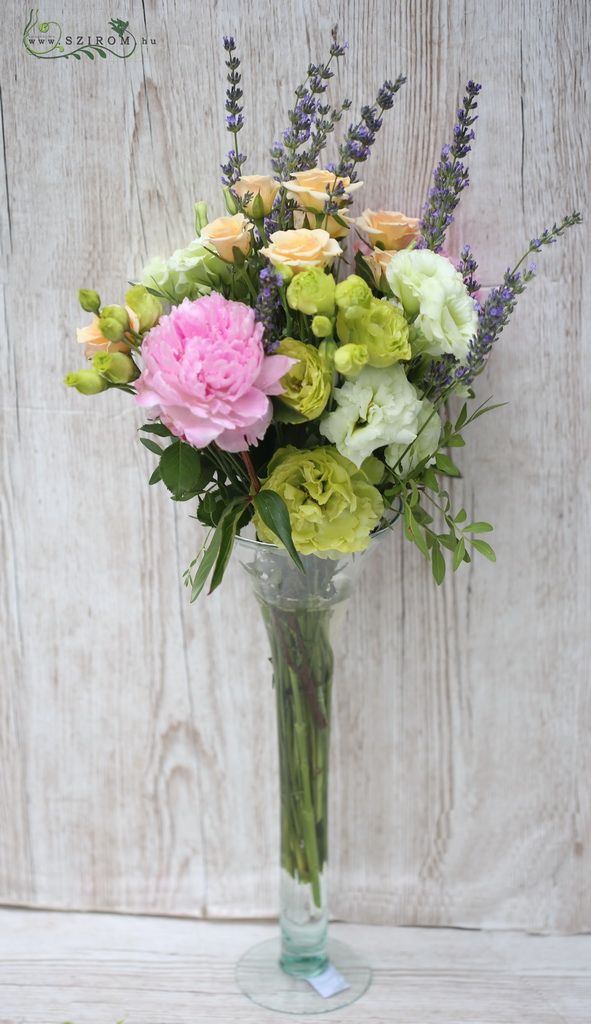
(321, 326)
(350, 359)
(89, 300)
(116, 367)
(145, 306)
(113, 322)
(312, 292)
(353, 291)
(87, 382)
(307, 384)
(200, 216)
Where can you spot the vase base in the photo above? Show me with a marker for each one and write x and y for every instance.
(260, 977)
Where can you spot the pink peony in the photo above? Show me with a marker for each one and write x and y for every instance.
(206, 370)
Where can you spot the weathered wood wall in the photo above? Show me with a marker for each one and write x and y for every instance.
(137, 742)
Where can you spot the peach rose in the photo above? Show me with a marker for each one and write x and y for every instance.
(93, 341)
(227, 233)
(377, 262)
(309, 187)
(262, 185)
(388, 228)
(301, 249)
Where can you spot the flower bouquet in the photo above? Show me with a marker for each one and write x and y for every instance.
(301, 395)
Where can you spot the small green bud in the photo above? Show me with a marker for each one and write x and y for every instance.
(350, 359)
(145, 306)
(113, 322)
(116, 367)
(327, 350)
(87, 382)
(257, 209)
(230, 202)
(201, 218)
(89, 300)
(321, 327)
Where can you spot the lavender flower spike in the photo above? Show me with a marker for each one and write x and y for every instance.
(360, 137)
(494, 313)
(268, 309)
(450, 176)
(232, 169)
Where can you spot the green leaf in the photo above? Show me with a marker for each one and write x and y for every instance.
(151, 446)
(89, 54)
(430, 479)
(156, 428)
(100, 52)
(445, 465)
(484, 549)
(228, 524)
(211, 508)
(455, 441)
(461, 516)
(156, 476)
(273, 511)
(486, 408)
(459, 553)
(437, 564)
(206, 564)
(180, 467)
(478, 528)
(415, 533)
(448, 540)
(462, 417)
(422, 516)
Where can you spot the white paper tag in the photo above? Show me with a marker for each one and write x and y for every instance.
(328, 983)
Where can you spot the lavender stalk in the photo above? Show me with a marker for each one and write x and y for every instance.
(450, 176)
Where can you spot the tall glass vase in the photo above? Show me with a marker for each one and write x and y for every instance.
(303, 970)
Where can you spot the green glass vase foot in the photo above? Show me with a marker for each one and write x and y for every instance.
(259, 976)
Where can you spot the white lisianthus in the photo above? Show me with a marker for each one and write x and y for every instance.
(424, 447)
(380, 408)
(432, 291)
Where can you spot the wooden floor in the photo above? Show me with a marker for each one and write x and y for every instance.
(102, 969)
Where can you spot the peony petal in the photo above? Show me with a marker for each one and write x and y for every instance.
(271, 372)
(241, 439)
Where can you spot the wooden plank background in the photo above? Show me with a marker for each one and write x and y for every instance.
(137, 743)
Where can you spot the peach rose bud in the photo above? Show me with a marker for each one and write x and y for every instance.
(388, 228)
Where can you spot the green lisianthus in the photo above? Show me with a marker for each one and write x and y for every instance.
(312, 292)
(353, 291)
(307, 385)
(187, 274)
(434, 295)
(381, 328)
(332, 506)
